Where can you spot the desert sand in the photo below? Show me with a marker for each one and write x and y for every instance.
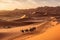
(49, 31)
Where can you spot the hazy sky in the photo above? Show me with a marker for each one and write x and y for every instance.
(23, 4)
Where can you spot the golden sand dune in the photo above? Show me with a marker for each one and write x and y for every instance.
(51, 34)
(44, 31)
(17, 30)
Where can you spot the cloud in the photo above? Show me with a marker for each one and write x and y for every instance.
(12, 4)
(41, 2)
(48, 2)
(21, 0)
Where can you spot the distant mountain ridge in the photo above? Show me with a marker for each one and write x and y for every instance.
(37, 12)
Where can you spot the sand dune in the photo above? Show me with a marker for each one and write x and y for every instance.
(48, 30)
(51, 34)
(16, 30)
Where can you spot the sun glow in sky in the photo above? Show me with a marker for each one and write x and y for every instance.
(23, 4)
